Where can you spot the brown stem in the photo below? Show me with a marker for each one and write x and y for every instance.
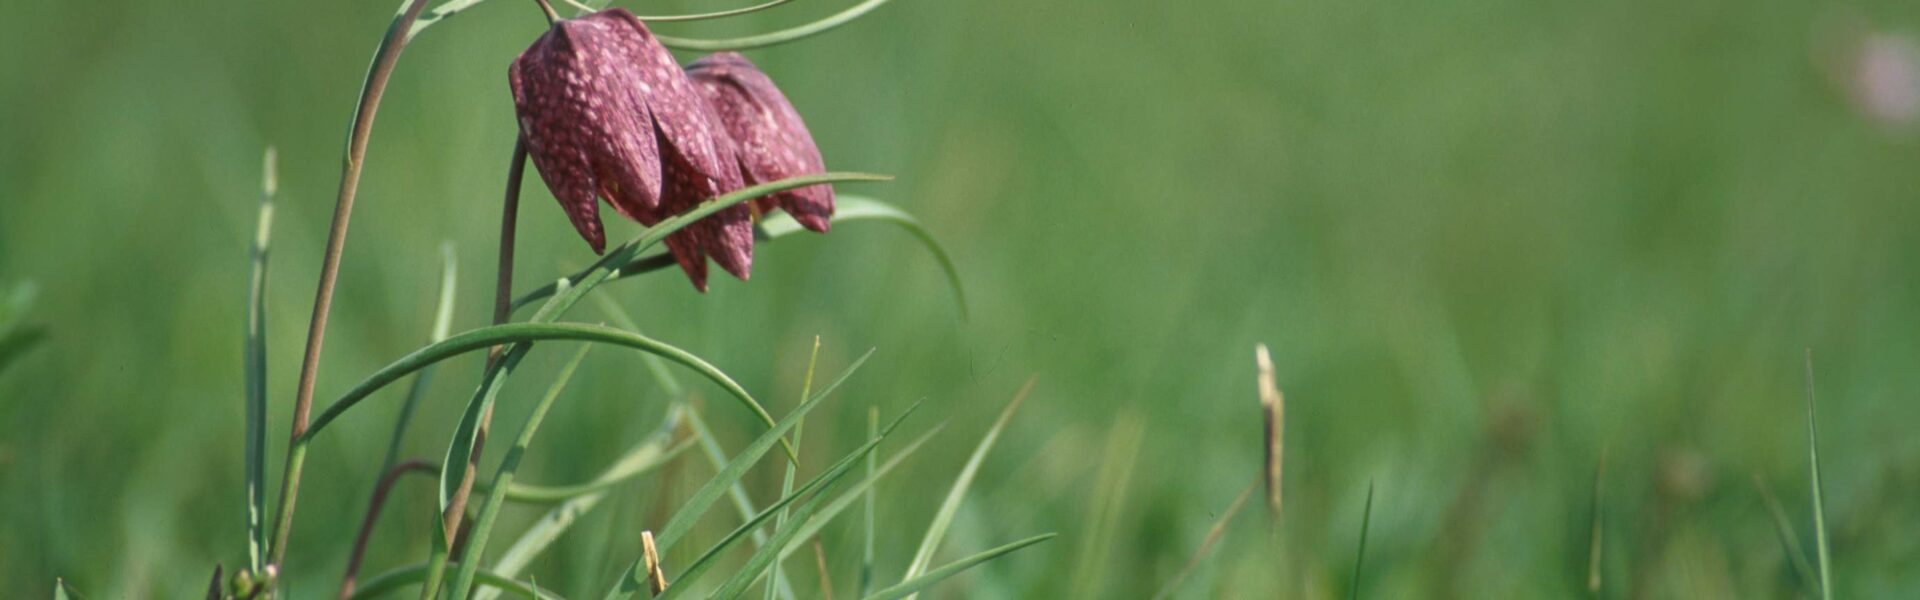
(502, 310)
(380, 491)
(376, 85)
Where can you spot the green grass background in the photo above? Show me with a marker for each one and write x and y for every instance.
(1486, 240)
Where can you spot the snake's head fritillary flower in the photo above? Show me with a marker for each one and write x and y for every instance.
(772, 141)
(607, 113)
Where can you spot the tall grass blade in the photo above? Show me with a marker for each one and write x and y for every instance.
(863, 490)
(1819, 494)
(256, 371)
(1214, 534)
(1109, 496)
(704, 498)
(503, 480)
(764, 556)
(866, 531)
(1273, 407)
(1360, 554)
(650, 452)
(1789, 541)
(786, 482)
(951, 506)
(915, 585)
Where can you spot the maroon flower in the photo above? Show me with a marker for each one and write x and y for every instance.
(773, 143)
(607, 113)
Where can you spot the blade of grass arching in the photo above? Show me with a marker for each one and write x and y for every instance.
(704, 498)
(256, 372)
(513, 333)
(401, 577)
(814, 488)
(777, 37)
(1360, 554)
(857, 208)
(860, 491)
(503, 480)
(866, 532)
(716, 14)
(652, 451)
(786, 482)
(1789, 541)
(779, 225)
(662, 375)
(1819, 495)
(951, 506)
(1214, 534)
(916, 585)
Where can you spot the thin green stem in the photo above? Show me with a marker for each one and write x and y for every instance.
(385, 57)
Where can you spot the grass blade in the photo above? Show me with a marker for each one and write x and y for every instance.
(703, 498)
(1214, 534)
(716, 14)
(1360, 554)
(652, 451)
(777, 37)
(951, 506)
(1789, 541)
(764, 555)
(915, 585)
(1819, 495)
(862, 490)
(503, 480)
(408, 575)
(857, 208)
(778, 225)
(786, 482)
(866, 532)
(256, 372)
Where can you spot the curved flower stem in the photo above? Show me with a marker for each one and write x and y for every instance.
(553, 16)
(384, 59)
(380, 490)
(502, 301)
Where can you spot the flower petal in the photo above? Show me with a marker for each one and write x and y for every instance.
(772, 141)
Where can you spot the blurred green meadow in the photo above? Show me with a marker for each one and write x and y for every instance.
(1488, 242)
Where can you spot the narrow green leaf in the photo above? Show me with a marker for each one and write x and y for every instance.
(1789, 541)
(778, 225)
(503, 480)
(786, 482)
(484, 337)
(716, 14)
(696, 506)
(64, 591)
(654, 450)
(815, 488)
(778, 37)
(1360, 554)
(535, 494)
(917, 584)
(1819, 494)
(866, 532)
(256, 373)
(943, 519)
(863, 490)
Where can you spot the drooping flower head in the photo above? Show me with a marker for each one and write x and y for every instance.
(607, 113)
(772, 141)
